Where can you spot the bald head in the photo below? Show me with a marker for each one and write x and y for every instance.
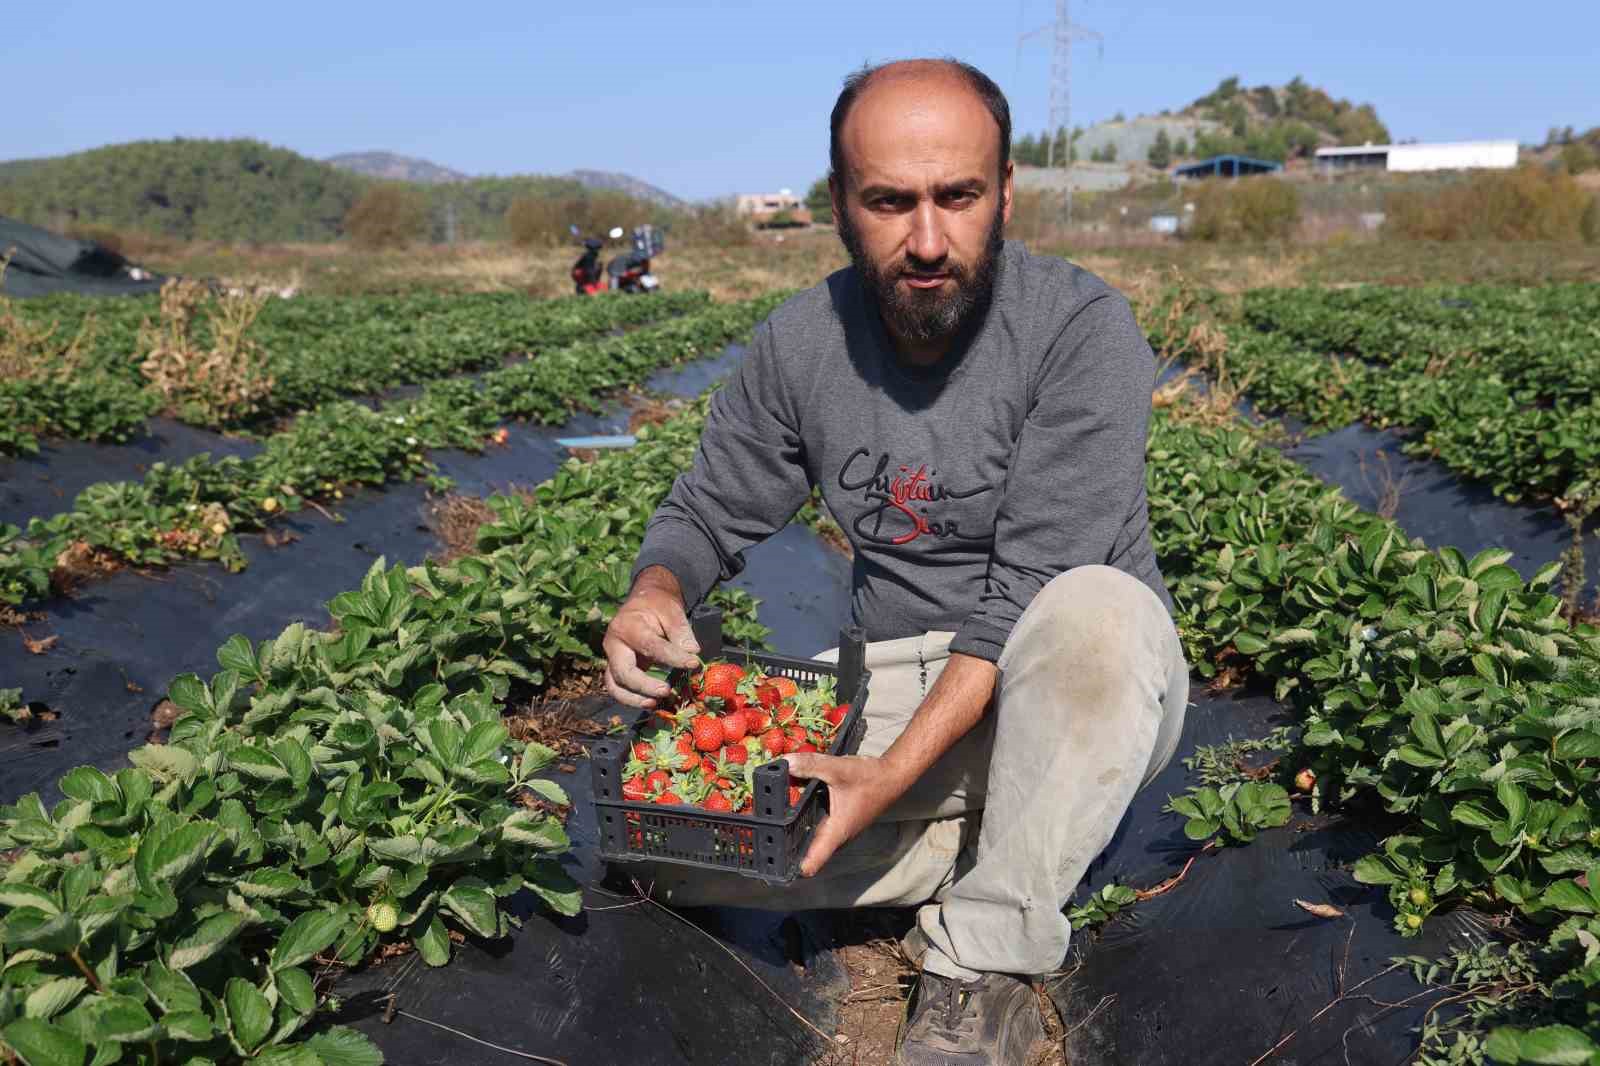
(910, 88)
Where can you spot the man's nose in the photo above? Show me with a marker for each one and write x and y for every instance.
(927, 242)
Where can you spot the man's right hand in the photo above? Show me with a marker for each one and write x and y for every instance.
(650, 629)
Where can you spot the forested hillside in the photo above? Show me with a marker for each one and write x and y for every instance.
(236, 190)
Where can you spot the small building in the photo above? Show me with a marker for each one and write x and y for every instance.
(1163, 223)
(781, 208)
(1415, 158)
(1226, 166)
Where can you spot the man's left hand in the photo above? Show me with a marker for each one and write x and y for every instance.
(860, 788)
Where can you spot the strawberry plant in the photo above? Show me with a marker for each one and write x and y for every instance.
(1238, 810)
(1498, 384)
(197, 508)
(315, 349)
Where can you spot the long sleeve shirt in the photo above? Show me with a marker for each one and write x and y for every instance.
(963, 487)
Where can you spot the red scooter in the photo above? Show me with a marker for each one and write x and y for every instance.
(586, 275)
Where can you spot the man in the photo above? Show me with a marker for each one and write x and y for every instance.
(976, 420)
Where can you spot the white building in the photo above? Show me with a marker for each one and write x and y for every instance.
(1411, 158)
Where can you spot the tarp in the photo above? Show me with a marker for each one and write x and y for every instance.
(43, 263)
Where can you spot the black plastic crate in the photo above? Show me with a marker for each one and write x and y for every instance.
(767, 843)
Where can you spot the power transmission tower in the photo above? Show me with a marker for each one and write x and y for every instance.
(1064, 33)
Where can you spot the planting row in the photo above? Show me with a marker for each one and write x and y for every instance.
(96, 369)
(196, 509)
(323, 794)
(1443, 695)
(1515, 405)
(1544, 341)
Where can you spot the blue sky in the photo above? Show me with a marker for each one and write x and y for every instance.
(706, 98)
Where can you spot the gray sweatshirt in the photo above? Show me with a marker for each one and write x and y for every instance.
(964, 487)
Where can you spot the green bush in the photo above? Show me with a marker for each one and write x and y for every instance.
(1259, 209)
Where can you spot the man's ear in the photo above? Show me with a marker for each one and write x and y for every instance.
(836, 196)
(1005, 192)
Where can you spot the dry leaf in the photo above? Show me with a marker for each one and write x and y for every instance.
(40, 646)
(1321, 910)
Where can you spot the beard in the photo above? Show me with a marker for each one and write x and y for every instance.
(928, 316)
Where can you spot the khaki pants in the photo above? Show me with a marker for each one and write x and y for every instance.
(995, 837)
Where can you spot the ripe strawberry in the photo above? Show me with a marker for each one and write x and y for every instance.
(657, 781)
(787, 688)
(668, 798)
(768, 696)
(796, 735)
(807, 746)
(794, 795)
(708, 766)
(737, 754)
(707, 731)
(835, 715)
(785, 713)
(717, 802)
(774, 742)
(720, 680)
(734, 727)
(757, 721)
(635, 789)
(644, 751)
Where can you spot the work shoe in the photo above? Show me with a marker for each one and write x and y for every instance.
(993, 1021)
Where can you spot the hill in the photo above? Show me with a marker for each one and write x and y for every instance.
(626, 184)
(234, 190)
(1268, 122)
(391, 167)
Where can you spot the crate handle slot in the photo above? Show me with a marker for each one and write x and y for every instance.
(706, 623)
(852, 660)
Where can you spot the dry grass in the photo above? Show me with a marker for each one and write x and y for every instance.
(728, 272)
(1387, 487)
(214, 385)
(31, 351)
(455, 519)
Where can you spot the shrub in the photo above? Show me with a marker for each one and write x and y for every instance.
(387, 216)
(538, 220)
(1528, 203)
(1590, 224)
(1260, 208)
(1578, 157)
(818, 202)
(1160, 154)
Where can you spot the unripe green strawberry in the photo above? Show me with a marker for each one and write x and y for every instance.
(1419, 897)
(383, 916)
(1413, 921)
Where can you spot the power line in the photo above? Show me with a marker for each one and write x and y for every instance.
(1064, 33)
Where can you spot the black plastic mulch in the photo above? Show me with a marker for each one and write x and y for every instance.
(1219, 969)
(38, 486)
(1438, 505)
(121, 639)
(1225, 964)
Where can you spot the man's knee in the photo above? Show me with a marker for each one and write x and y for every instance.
(1089, 614)
(1092, 636)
